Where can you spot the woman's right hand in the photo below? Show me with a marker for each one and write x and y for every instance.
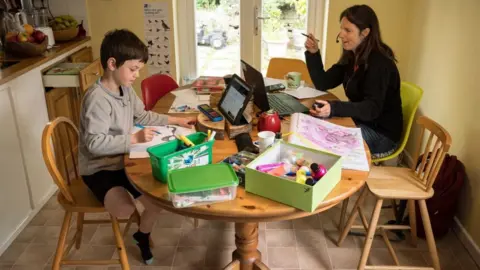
(142, 136)
(311, 44)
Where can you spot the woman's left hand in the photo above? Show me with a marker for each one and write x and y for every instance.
(323, 112)
(186, 122)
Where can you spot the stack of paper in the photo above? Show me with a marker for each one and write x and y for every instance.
(187, 101)
(167, 133)
(319, 134)
(304, 92)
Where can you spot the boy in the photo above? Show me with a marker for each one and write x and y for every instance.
(110, 108)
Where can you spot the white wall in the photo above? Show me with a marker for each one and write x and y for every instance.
(76, 8)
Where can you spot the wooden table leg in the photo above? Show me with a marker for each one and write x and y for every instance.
(246, 240)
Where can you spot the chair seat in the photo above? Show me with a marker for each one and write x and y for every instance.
(85, 201)
(396, 183)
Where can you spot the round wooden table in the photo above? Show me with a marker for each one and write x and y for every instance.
(247, 210)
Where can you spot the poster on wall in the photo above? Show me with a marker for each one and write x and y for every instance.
(158, 35)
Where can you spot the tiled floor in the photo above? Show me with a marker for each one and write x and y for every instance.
(307, 243)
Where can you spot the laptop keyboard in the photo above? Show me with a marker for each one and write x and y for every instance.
(279, 106)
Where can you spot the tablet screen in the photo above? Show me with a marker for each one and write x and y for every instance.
(234, 99)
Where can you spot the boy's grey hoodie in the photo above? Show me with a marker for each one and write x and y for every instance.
(106, 120)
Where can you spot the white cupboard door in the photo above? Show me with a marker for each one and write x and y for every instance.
(14, 197)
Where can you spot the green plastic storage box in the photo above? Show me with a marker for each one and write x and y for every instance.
(165, 157)
(202, 185)
(289, 192)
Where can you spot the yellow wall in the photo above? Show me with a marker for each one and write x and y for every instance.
(104, 16)
(393, 17)
(444, 60)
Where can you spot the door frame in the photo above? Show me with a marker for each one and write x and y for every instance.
(250, 44)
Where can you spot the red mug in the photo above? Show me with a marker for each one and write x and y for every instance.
(269, 121)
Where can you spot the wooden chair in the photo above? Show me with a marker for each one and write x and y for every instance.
(74, 196)
(412, 184)
(279, 67)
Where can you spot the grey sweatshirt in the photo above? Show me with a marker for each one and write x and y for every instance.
(106, 120)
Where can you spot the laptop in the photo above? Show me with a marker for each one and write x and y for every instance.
(282, 103)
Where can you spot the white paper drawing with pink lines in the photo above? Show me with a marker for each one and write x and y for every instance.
(316, 133)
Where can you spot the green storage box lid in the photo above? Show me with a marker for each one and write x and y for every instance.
(200, 178)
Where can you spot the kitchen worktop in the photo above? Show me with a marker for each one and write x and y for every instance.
(26, 64)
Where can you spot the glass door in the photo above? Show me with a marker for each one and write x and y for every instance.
(215, 34)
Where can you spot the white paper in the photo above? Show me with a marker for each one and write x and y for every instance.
(304, 92)
(272, 81)
(139, 150)
(158, 36)
(315, 133)
(187, 97)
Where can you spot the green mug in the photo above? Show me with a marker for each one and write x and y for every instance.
(293, 79)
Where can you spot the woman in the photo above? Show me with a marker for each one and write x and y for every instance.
(369, 76)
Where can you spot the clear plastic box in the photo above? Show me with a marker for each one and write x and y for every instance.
(202, 185)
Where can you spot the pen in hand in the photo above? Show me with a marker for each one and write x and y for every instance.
(142, 127)
(310, 37)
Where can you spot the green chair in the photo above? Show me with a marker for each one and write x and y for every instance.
(411, 95)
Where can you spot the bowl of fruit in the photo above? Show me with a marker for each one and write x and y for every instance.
(29, 43)
(64, 28)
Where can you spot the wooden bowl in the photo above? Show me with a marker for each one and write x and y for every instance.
(26, 49)
(65, 35)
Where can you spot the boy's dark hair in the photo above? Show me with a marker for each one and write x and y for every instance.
(123, 45)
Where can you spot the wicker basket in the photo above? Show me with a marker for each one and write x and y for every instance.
(65, 35)
(26, 49)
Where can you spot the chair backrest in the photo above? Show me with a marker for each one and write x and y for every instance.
(433, 152)
(60, 154)
(155, 87)
(411, 96)
(279, 67)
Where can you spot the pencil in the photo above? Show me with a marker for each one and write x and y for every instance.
(142, 127)
(310, 37)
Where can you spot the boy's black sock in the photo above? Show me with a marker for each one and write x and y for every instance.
(143, 242)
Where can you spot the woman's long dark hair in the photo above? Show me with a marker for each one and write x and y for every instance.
(364, 17)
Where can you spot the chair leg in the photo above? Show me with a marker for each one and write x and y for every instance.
(129, 223)
(429, 234)
(343, 213)
(352, 217)
(122, 253)
(195, 223)
(61, 240)
(370, 235)
(78, 235)
(413, 222)
(394, 208)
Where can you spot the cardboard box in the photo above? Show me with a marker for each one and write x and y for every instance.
(289, 192)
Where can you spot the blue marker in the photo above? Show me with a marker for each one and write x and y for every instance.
(142, 127)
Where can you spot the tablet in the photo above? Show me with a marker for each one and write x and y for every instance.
(234, 100)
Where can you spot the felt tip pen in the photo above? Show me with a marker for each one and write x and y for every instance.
(268, 167)
(310, 37)
(142, 127)
(212, 136)
(186, 141)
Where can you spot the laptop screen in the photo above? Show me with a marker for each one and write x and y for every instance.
(255, 79)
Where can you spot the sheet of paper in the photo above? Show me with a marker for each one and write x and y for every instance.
(186, 101)
(304, 92)
(272, 81)
(315, 133)
(167, 133)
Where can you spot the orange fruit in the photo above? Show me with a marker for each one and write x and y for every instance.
(28, 28)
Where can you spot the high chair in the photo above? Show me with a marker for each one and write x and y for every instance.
(410, 184)
(279, 67)
(74, 196)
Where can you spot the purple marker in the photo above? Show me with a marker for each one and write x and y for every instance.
(269, 167)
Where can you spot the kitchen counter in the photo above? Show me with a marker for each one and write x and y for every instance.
(27, 64)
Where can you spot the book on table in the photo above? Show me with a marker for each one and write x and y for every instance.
(208, 85)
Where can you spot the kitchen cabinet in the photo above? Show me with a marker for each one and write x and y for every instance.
(85, 55)
(14, 197)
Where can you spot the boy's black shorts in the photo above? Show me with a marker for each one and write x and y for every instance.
(101, 182)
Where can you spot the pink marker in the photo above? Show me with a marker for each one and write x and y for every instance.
(269, 167)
